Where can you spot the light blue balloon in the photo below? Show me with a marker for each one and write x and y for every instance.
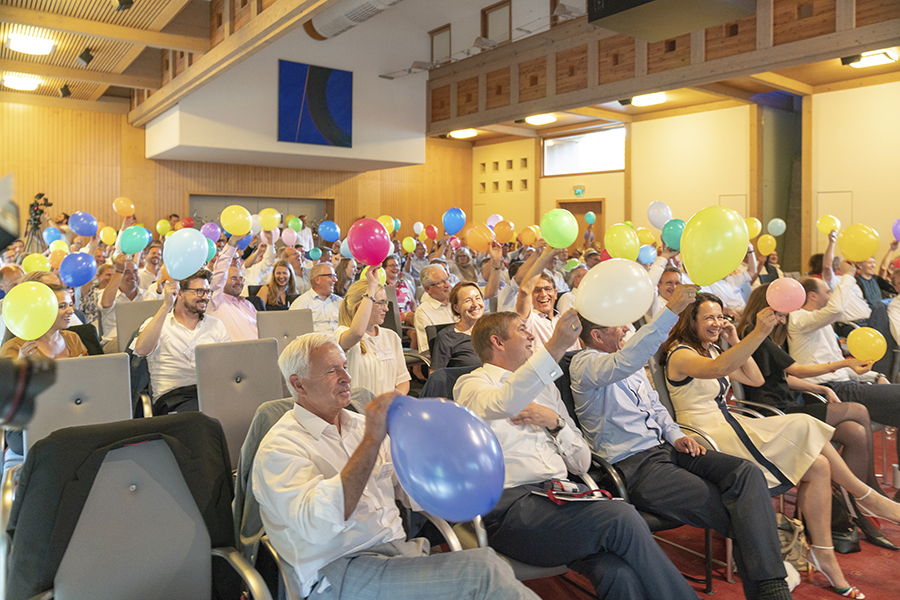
(345, 249)
(646, 255)
(210, 249)
(315, 254)
(134, 239)
(777, 227)
(52, 234)
(396, 224)
(185, 252)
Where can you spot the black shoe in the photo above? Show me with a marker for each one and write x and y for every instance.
(872, 535)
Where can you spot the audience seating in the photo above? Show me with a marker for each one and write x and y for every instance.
(440, 382)
(88, 336)
(130, 316)
(432, 331)
(257, 303)
(412, 357)
(284, 326)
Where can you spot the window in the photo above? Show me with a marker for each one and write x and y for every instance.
(586, 153)
(440, 44)
(496, 22)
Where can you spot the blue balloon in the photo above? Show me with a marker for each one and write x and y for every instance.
(446, 457)
(453, 221)
(345, 249)
(77, 269)
(646, 255)
(671, 233)
(329, 231)
(590, 217)
(184, 253)
(83, 224)
(242, 245)
(51, 234)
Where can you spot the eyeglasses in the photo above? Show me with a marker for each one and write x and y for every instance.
(329, 275)
(236, 279)
(200, 292)
(380, 303)
(436, 283)
(543, 290)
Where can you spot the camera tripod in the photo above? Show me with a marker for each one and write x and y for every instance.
(34, 240)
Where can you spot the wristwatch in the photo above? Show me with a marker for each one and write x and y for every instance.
(560, 423)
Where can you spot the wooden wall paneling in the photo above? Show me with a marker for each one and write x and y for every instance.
(440, 103)
(181, 61)
(806, 179)
(497, 89)
(869, 12)
(166, 66)
(467, 97)
(241, 11)
(795, 20)
(669, 54)
(216, 23)
(533, 79)
(617, 58)
(264, 4)
(571, 69)
(731, 38)
(137, 176)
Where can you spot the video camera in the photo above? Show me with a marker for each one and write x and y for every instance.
(35, 209)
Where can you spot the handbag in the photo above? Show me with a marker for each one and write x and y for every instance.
(793, 541)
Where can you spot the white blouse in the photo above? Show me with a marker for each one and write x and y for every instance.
(382, 367)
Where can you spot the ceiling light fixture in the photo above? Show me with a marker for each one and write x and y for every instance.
(122, 4)
(484, 43)
(545, 119)
(64, 91)
(871, 59)
(564, 11)
(30, 44)
(423, 65)
(85, 58)
(24, 83)
(649, 99)
(462, 134)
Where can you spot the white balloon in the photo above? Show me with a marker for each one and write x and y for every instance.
(659, 214)
(615, 292)
(255, 226)
(418, 227)
(777, 227)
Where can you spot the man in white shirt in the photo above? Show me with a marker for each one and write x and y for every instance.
(434, 308)
(607, 541)
(168, 340)
(326, 485)
(536, 301)
(305, 236)
(321, 299)
(894, 308)
(123, 287)
(152, 264)
(237, 314)
(668, 281)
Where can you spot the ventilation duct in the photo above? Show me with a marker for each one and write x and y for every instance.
(657, 20)
(335, 20)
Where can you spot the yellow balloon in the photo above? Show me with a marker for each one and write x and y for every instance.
(236, 220)
(828, 223)
(858, 242)
(59, 245)
(382, 276)
(108, 235)
(30, 309)
(388, 222)
(35, 262)
(423, 237)
(409, 244)
(621, 241)
(713, 244)
(766, 244)
(645, 236)
(864, 343)
(269, 219)
(754, 227)
(163, 226)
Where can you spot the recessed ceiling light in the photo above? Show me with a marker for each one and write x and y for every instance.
(875, 58)
(29, 44)
(541, 119)
(461, 134)
(649, 99)
(25, 83)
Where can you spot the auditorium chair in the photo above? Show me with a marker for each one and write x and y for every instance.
(284, 325)
(130, 316)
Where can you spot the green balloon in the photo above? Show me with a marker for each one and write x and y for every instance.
(296, 224)
(210, 250)
(559, 228)
(630, 224)
(573, 262)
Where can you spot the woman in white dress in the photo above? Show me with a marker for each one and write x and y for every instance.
(374, 353)
(791, 449)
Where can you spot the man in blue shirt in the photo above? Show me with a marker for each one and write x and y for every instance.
(666, 472)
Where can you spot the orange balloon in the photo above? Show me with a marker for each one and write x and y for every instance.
(164, 275)
(123, 206)
(56, 258)
(528, 235)
(479, 237)
(179, 225)
(504, 231)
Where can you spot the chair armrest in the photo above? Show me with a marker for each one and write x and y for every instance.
(43, 596)
(480, 532)
(745, 411)
(447, 531)
(689, 429)
(815, 396)
(412, 355)
(146, 404)
(258, 588)
(611, 475)
(776, 411)
(290, 592)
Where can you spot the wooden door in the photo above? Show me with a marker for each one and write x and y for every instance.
(581, 207)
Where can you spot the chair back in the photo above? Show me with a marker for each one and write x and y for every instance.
(432, 331)
(658, 373)
(130, 316)
(284, 325)
(253, 290)
(564, 385)
(257, 303)
(440, 383)
(493, 304)
(392, 318)
(233, 379)
(89, 390)
(88, 335)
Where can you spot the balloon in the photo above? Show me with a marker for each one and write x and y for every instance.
(604, 255)
(330, 232)
(829, 223)
(388, 222)
(622, 242)
(30, 309)
(108, 236)
(571, 264)
(645, 236)
(255, 225)
(864, 343)
(766, 244)
(289, 218)
(659, 214)
(235, 219)
(59, 245)
(178, 226)
(51, 234)
(453, 221)
(615, 292)
(185, 253)
(423, 237)
(457, 485)
(269, 218)
(187, 222)
(418, 227)
(83, 224)
(431, 232)
(77, 269)
(315, 254)
(382, 276)
(454, 241)
(776, 227)
(785, 295)
(295, 224)
(896, 229)
(858, 242)
(210, 250)
(409, 244)
(479, 237)
(528, 236)
(134, 239)
(368, 240)
(589, 217)
(163, 227)
(713, 244)
(397, 224)
(560, 228)
(123, 206)
(35, 262)
(211, 231)
(672, 232)
(754, 227)
(56, 258)
(172, 231)
(493, 220)
(504, 231)
(646, 255)
(345, 249)
(288, 236)
(629, 223)
(242, 245)
(897, 263)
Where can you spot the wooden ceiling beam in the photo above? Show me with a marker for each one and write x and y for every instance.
(511, 130)
(780, 82)
(128, 81)
(723, 90)
(601, 113)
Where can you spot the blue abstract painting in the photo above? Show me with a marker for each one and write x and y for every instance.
(315, 105)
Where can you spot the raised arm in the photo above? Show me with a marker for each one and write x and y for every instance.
(360, 322)
(355, 474)
(220, 272)
(828, 257)
(108, 299)
(493, 282)
(886, 261)
(523, 301)
(148, 338)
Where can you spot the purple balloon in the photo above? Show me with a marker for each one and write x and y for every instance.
(211, 231)
(896, 229)
(77, 269)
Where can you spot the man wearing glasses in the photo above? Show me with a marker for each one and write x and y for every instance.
(321, 299)
(434, 309)
(168, 340)
(226, 302)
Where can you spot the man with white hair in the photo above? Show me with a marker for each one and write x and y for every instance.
(123, 287)
(321, 299)
(325, 483)
(434, 308)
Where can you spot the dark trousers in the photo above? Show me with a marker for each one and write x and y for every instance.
(883, 401)
(714, 490)
(606, 541)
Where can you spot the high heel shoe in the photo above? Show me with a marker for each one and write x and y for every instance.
(869, 513)
(849, 591)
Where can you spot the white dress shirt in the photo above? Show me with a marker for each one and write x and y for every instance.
(506, 298)
(729, 290)
(415, 266)
(430, 312)
(382, 367)
(324, 310)
(855, 306)
(541, 326)
(531, 454)
(297, 482)
(146, 278)
(259, 272)
(305, 239)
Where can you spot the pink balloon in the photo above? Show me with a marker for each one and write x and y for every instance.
(454, 242)
(288, 236)
(785, 295)
(493, 220)
(369, 242)
(274, 235)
